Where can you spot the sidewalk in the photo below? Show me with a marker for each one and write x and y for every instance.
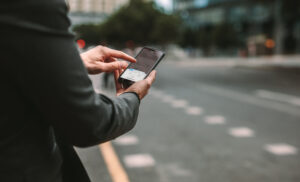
(257, 62)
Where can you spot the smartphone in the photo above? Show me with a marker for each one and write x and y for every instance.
(146, 60)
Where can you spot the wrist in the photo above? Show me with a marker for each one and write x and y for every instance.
(136, 94)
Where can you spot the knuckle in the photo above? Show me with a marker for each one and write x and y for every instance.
(148, 84)
(116, 65)
(100, 47)
(101, 67)
(123, 54)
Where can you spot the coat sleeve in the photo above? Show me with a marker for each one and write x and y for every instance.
(52, 78)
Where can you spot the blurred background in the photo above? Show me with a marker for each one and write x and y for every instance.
(201, 27)
(226, 102)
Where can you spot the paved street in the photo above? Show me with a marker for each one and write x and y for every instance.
(212, 124)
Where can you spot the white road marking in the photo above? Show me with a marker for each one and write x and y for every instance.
(286, 61)
(214, 120)
(139, 161)
(168, 98)
(281, 149)
(157, 93)
(177, 170)
(296, 102)
(127, 140)
(249, 99)
(241, 132)
(278, 97)
(194, 110)
(179, 103)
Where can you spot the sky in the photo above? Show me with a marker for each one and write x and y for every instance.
(167, 4)
(201, 3)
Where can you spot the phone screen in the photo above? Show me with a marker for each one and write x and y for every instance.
(146, 60)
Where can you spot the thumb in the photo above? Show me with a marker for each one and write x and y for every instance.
(151, 78)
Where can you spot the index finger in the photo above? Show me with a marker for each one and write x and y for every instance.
(121, 55)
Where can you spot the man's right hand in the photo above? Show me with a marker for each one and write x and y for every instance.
(140, 88)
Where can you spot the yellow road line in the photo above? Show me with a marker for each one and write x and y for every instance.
(113, 164)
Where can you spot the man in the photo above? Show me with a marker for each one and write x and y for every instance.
(47, 101)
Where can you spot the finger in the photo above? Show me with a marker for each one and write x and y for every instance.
(123, 64)
(111, 59)
(151, 78)
(116, 76)
(110, 67)
(119, 54)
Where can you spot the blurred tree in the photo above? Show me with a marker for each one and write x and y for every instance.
(189, 37)
(204, 39)
(88, 32)
(224, 36)
(139, 22)
(166, 29)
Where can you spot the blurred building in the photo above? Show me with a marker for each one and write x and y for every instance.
(93, 11)
(96, 6)
(254, 21)
(211, 12)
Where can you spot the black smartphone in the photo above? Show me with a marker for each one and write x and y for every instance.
(146, 60)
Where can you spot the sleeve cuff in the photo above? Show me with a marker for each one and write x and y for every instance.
(137, 96)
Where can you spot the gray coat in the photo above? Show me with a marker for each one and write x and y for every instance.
(47, 102)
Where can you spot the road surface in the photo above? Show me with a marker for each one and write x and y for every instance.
(212, 124)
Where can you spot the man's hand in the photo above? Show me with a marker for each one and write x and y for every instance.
(103, 59)
(140, 87)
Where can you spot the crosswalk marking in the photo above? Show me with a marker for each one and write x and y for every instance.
(241, 132)
(127, 140)
(281, 149)
(139, 160)
(168, 98)
(194, 110)
(157, 93)
(175, 169)
(215, 120)
(179, 103)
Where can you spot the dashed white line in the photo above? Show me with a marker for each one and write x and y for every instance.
(168, 98)
(215, 120)
(157, 93)
(176, 170)
(281, 149)
(241, 132)
(278, 97)
(139, 161)
(295, 102)
(127, 140)
(179, 103)
(194, 110)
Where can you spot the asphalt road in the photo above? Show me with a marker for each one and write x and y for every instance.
(212, 124)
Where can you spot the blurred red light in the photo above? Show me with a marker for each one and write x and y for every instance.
(81, 43)
(270, 43)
